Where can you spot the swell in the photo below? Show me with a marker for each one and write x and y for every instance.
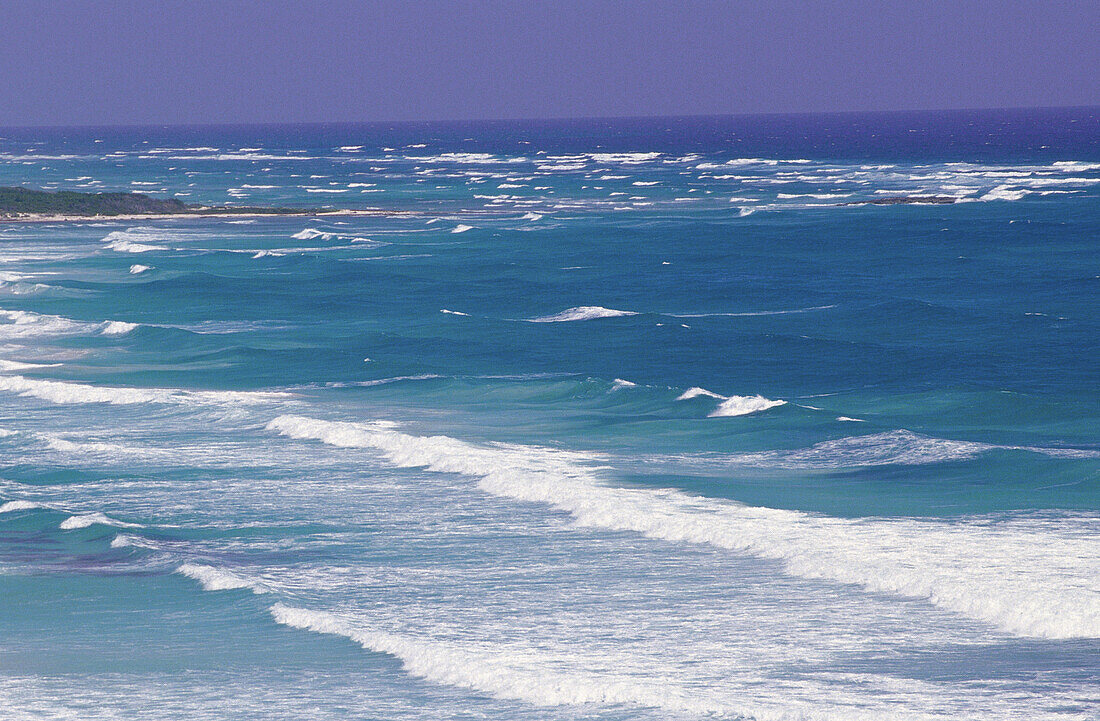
(897, 447)
(1027, 577)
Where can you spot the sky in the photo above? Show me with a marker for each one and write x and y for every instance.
(121, 62)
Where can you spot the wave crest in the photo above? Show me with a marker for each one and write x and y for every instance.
(1028, 578)
(582, 312)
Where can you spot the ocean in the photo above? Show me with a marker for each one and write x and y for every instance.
(603, 419)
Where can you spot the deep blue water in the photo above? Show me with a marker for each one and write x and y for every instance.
(593, 419)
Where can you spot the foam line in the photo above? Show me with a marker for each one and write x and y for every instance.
(1027, 577)
(78, 393)
(522, 676)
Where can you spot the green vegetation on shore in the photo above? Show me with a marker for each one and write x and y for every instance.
(18, 202)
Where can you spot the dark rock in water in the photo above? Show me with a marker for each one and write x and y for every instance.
(907, 200)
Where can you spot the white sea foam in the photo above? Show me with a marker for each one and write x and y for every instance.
(750, 313)
(23, 324)
(519, 674)
(453, 312)
(624, 158)
(78, 393)
(117, 327)
(87, 519)
(583, 312)
(531, 216)
(311, 233)
(217, 579)
(137, 269)
(743, 405)
(10, 365)
(816, 196)
(695, 392)
(1005, 192)
(1074, 166)
(128, 540)
(16, 284)
(11, 506)
(851, 420)
(890, 448)
(731, 405)
(460, 228)
(618, 384)
(898, 447)
(395, 379)
(131, 241)
(1031, 577)
(742, 212)
(126, 246)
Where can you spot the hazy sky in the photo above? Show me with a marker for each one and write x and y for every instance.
(119, 62)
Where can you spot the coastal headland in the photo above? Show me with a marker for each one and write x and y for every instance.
(30, 205)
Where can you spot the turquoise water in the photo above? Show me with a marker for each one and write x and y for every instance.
(602, 420)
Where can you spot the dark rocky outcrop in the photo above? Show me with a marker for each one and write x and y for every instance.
(906, 200)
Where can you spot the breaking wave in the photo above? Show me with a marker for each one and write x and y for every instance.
(583, 312)
(10, 506)
(695, 392)
(77, 393)
(1030, 577)
(731, 405)
(87, 519)
(117, 327)
(521, 675)
(217, 579)
(743, 405)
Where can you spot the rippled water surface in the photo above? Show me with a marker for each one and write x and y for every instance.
(605, 420)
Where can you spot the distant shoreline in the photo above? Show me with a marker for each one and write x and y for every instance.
(72, 218)
(19, 204)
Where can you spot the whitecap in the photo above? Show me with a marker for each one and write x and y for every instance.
(12, 506)
(695, 392)
(217, 579)
(10, 365)
(582, 312)
(132, 240)
(1005, 192)
(87, 519)
(311, 233)
(117, 327)
(743, 405)
(137, 268)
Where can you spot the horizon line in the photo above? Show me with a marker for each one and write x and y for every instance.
(530, 119)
